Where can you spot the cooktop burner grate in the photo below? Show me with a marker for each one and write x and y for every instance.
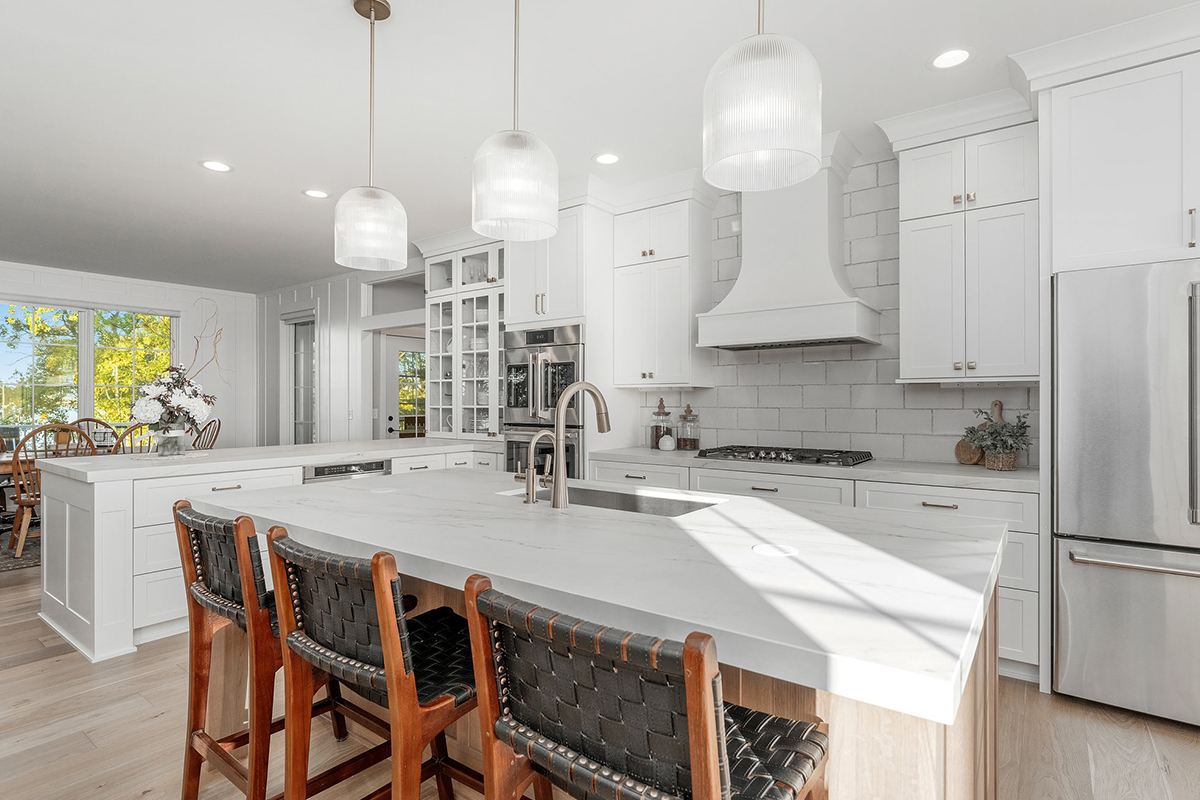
(787, 455)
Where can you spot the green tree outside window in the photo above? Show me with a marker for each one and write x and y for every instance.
(39, 364)
(412, 389)
(131, 350)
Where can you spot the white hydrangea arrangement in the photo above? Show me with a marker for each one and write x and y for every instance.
(172, 402)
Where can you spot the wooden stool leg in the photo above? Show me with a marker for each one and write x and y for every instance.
(406, 771)
(12, 537)
(262, 697)
(542, 788)
(199, 665)
(445, 785)
(339, 720)
(24, 532)
(298, 691)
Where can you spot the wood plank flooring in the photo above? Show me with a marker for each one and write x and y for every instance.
(114, 730)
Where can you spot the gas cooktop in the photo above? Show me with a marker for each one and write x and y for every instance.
(787, 455)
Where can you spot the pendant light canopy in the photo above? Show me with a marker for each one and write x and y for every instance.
(370, 226)
(762, 114)
(514, 188)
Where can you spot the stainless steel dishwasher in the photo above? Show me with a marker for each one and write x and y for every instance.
(347, 471)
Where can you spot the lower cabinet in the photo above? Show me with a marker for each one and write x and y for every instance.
(782, 487)
(1017, 614)
(486, 461)
(660, 476)
(407, 464)
(158, 597)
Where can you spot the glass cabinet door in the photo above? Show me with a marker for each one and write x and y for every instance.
(481, 268)
(478, 326)
(439, 275)
(439, 368)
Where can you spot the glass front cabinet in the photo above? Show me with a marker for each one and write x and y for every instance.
(465, 344)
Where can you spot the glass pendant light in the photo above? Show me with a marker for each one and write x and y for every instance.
(514, 182)
(370, 227)
(762, 114)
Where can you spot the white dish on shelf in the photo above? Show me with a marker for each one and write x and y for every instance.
(479, 343)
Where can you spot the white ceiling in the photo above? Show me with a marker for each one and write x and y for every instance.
(106, 108)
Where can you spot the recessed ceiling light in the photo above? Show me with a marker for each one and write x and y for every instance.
(317, 193)
(951, 58)
(216, 166)
(606, 158)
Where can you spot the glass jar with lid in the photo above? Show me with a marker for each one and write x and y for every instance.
(660, 424)
(689, 430)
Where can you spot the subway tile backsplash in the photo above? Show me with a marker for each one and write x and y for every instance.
(841, 395)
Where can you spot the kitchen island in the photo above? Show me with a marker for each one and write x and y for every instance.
(111, 576)
(881, 623)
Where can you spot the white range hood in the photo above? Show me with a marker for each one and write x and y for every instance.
(792, 289)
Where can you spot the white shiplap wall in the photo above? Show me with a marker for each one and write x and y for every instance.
(838, 396)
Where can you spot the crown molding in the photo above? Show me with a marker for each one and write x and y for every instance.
(1160, 36)
(985, 112)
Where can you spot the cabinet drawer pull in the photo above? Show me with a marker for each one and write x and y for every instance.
(970, 197)
(225, 488)
(635, 477)
(461, 463)
(483, 463)
(765, 488)
(951, 506)
(423, 466)
(957, 199)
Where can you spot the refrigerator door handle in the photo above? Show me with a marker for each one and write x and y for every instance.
(1193, 401)
(1105, 562)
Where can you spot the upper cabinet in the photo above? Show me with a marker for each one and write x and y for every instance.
(477, 268)
(989, 169)
(1125, 166)
(546, 279)
(651, 234)
(969, 259)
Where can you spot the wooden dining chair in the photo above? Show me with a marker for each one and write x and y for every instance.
(607, 714)
(206, 439)
(47, 441)
(136, 439)
(102, 434)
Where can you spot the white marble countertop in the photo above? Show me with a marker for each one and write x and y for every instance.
(882, 607)
(96, 469)
(926, 473)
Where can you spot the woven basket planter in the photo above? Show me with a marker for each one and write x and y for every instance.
(1002, 462)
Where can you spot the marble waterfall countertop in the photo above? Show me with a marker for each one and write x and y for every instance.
(96, 469)
(882, 607)
(925, 473)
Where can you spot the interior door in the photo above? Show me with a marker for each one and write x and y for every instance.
(1125, 166)
(1002, 291)
(932, 298)
(387, 378)
(932, 179)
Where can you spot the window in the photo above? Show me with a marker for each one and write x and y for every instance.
(412, 395)
(39, 364)
(130, 351)
(304, 382)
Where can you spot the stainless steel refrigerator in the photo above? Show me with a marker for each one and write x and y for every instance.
(1126, 538)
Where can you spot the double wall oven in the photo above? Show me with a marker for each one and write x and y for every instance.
(539, 365)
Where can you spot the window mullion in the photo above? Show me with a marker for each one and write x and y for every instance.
(87, 355)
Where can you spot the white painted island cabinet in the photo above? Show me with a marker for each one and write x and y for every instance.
(1125, 166)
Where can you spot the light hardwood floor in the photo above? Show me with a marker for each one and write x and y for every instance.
(114, 730)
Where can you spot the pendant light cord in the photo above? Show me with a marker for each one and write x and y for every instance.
(762, 6)
(371, 124)
(516, 64)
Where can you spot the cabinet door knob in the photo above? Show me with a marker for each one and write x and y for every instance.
(970, 197)
(643, 375)
(970, 365)
(492, 280)
(651, 374)
(957, 199)
(651, 252)
(644, 254)
(958, 365)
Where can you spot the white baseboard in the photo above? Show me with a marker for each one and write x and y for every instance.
(1018, 670)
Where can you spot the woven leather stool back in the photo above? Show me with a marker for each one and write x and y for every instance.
(616, 697)
(214, 553)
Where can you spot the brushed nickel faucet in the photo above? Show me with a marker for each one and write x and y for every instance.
(530, 476)
(559, 491)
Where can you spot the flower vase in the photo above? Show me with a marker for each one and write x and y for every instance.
(172, 442)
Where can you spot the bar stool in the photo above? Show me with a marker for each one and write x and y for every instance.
(607, 714)
(346, 621)
(223, 573)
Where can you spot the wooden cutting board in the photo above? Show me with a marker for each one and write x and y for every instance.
(970, 454)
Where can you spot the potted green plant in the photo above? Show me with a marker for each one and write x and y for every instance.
(1000, 441)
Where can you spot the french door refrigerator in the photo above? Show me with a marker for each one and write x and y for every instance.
(1126, 532)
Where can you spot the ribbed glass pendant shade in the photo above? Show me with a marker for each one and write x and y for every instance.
(370, 230)
(514, 188)
(762, 115)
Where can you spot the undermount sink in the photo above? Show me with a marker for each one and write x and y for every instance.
(634, 503)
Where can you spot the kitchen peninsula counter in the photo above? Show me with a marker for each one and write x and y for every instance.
(870, 619)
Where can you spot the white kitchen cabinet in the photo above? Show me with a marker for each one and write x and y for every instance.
(1017, 624)
(1019, 510)
(651, 234)
(932, 179)
(1002, 305)
(969, 305)
(981, 171)
(407, 464)
(933, 331)
(1125, 166)
(465, 270)
(655, 307)
(546, 282)
(831, 491)
(660, 476)
(485, 461)
(464, 350)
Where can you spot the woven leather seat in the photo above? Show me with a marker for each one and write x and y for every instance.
(607, 714)
(218, 584)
